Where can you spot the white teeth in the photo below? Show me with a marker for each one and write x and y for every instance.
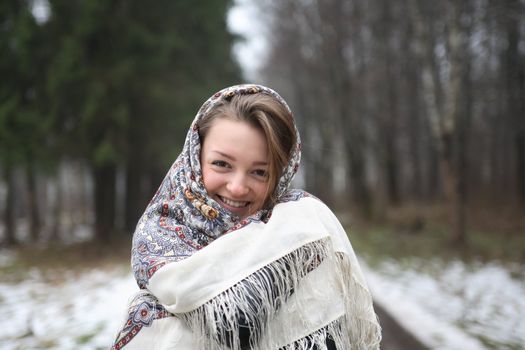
(233, 203)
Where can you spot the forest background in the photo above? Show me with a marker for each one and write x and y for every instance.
(399, 104)
(412, 115)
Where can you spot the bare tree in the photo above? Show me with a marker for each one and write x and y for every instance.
(443, 83)
(413, 100)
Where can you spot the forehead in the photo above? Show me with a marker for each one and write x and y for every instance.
(236, 138)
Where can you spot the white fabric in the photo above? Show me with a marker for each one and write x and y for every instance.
(165, 334)
(321, 297)
(172, 333)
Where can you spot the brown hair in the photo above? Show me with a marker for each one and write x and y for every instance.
(268, 115)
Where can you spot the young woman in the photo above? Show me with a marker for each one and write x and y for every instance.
(228, 257)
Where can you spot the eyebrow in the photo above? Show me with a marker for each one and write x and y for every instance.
(226, 155)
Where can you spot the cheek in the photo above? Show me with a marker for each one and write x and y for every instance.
(260, 190)
(209, 179)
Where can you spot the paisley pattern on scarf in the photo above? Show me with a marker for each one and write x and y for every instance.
(143, 311)
(181, 218)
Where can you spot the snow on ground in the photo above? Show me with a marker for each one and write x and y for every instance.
(454, 305)
(80, 312)
(447, 305)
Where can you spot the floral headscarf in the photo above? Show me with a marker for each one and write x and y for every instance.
(181, 218)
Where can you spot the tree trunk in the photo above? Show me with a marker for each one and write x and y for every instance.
(515, 96)
(444, 104)
(450, 181)
(9, 213)
(348, 105)
(32, 199)
(360, 190)
(56, 228)
(138, 193)
(520, 155)
(131, 211)
(105, 196)
(411, 97)
(388, 114)
(451, 124)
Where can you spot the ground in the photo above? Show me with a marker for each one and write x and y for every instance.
(435, 305)
(74, 295)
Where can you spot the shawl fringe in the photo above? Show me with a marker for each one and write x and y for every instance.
(361, 327)
(256, 300)
(317, 340)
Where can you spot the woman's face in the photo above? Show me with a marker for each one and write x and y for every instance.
(234, 160)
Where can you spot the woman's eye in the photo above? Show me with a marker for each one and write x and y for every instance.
(261, 173)
(220, 163)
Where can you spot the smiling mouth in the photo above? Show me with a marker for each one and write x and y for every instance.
(232, 203)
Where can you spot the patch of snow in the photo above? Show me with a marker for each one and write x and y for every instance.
(453, 305)
(447, 305)
(82, 312)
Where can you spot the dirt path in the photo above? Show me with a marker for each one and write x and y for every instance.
(395, 337)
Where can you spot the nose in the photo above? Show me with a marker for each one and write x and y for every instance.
(238, 186)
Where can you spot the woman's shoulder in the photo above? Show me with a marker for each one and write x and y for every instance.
(304, 211)
(305, 201)
(294, 195)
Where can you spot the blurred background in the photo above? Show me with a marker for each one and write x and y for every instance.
(412, 118)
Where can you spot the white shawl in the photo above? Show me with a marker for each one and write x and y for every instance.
(288, 272)
(333, 297)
